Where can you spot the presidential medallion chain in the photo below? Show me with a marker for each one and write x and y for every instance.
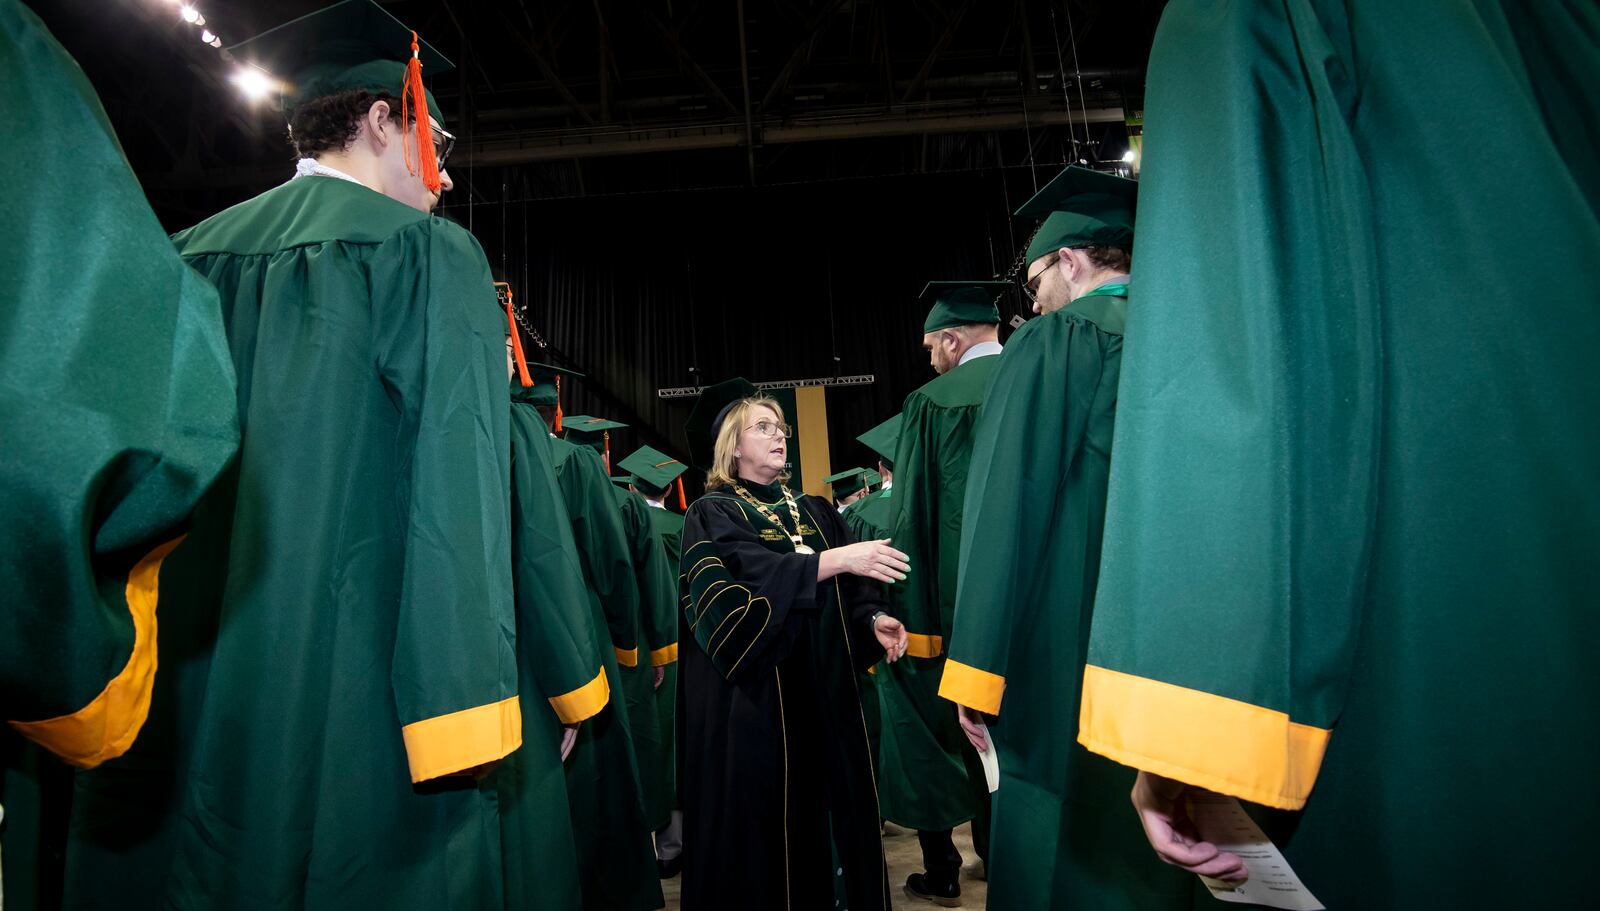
(800, 546)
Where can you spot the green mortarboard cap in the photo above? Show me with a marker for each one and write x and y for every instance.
(623, 480)
(653, 470)
(1082, 208)
(873, 479)
(846, 483)
(348, 46)
(705, 418)
(881, 439)
(543, 391)
(961, 304)
(589, 431)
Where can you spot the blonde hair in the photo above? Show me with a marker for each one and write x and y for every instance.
(724, 470)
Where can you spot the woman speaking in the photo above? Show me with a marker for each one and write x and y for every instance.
(780, 612)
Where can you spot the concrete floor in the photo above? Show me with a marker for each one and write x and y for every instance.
(905, 858)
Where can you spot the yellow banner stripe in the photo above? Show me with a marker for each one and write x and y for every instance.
(108, 725)
(1211, 741)
(447, 744)
(663, 656)
(921, 646)
(584, 701)
(972, 687)
(627, 657)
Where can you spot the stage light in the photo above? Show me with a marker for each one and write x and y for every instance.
(189, 14)
(206, 37)
(216, 42)
(1130, 156)
(253, 82)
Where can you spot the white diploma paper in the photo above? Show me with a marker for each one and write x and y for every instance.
(990, 762)
(1272, 881)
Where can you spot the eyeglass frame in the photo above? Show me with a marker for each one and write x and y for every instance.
(447, 139)
(1030, 286)
(787, 428)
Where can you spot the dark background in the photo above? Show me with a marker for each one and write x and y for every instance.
(660, 236)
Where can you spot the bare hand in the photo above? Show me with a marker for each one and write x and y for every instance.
(872, 559)
(1164, 813)
(659, 673)
(971, 723)
(891, 635)
(569, 738)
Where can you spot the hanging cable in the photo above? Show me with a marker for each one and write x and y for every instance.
(694, 328)
(1077, 76)
(1066, 94)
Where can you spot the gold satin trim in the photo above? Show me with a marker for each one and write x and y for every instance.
(584, 701)
(1226, 745)
(921, 646)
(662, 657)
(972, 687)
(106, 727)
(447, 744)
(627, 657)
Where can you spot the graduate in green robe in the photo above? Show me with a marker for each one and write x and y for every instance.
(350, 666)
(117, 409)
(1030, 542)
(781, 614)
(654, 475)
(868, 519)
(644, 670)
(846, 487)
(560, 656)
(615, 856)
(1350, 550)
(933, 781)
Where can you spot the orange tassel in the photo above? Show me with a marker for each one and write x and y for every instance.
(607, 458)
(516, 345)
(558, 427)
(415, 104)
(683, 504)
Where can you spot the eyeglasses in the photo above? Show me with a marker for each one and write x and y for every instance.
(772, 428)
(444, 142)
(1031, 286)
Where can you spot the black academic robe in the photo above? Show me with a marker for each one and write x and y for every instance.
(775, 740)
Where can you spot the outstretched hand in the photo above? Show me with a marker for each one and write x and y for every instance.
(891, 635)
(872, 559)
(1164, 813)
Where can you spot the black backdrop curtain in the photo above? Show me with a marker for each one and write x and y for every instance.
(771, 283)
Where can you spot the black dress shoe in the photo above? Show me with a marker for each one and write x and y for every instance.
(945, 895)
(669, 868)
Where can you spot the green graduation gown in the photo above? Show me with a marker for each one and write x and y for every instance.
(669, 526)
(116, 403)
(561, 657)
(658, 647)
(616, 857)
(932, 779)
(1062, 834)
(1350, 557)
(347, 606)
(868, 518)
(772, 721)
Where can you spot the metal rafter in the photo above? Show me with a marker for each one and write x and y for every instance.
(952, 23)
(536, 54)
(813, 30)
(685, 60)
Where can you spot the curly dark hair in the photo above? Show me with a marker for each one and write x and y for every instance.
(330, 123)
(1114, 259)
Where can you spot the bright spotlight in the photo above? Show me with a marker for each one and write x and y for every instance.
(206, 37)
(189, 14)
(1130, 156)
(254, 83)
